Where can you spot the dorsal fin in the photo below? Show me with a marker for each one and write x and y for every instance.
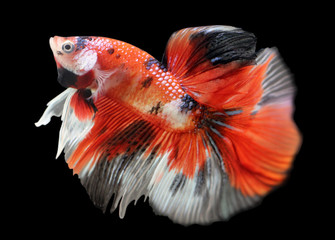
(192, 50)
(207, 59)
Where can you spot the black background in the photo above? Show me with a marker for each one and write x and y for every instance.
(49, 198)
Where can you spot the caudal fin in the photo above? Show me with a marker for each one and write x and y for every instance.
(249, 101)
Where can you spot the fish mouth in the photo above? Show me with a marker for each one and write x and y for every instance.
(52, 44)
(55, 43)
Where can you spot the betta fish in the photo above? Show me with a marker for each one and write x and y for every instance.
(203, 134)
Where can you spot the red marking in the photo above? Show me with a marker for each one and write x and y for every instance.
(187, 152)
(258, 157)
(82, 108)
(85, 80)
(110, 118)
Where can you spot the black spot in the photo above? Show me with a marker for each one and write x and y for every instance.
(66, 78)
(149, 62)
(178, 183)
(86, 94)
(103, 130)
(226, 46)
(147, 82)
(117, 55)
(135, 132)
(87, 38)
(110, 50)
(155, 109)
(162, 66)
(204, 173)
(188, 103)
(82, 41)
(200, 181)
(59, 53)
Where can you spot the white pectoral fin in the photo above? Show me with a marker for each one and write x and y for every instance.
(55, 107)
(72, 129)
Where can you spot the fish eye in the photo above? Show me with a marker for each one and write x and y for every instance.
(68, 47)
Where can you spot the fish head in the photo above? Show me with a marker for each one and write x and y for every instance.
(75, 60)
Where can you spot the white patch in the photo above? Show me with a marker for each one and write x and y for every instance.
(101, 76)
(185, 206)
(72, 130)
(84, 61)
(172, 113)
(87, 170)
(220, 28)
(55, 107)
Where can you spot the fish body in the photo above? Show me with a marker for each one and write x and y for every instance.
(133, 77)
(205, 133)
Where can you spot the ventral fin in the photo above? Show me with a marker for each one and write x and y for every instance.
(82, 104)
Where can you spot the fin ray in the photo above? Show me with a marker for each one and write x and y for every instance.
(214, 65)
